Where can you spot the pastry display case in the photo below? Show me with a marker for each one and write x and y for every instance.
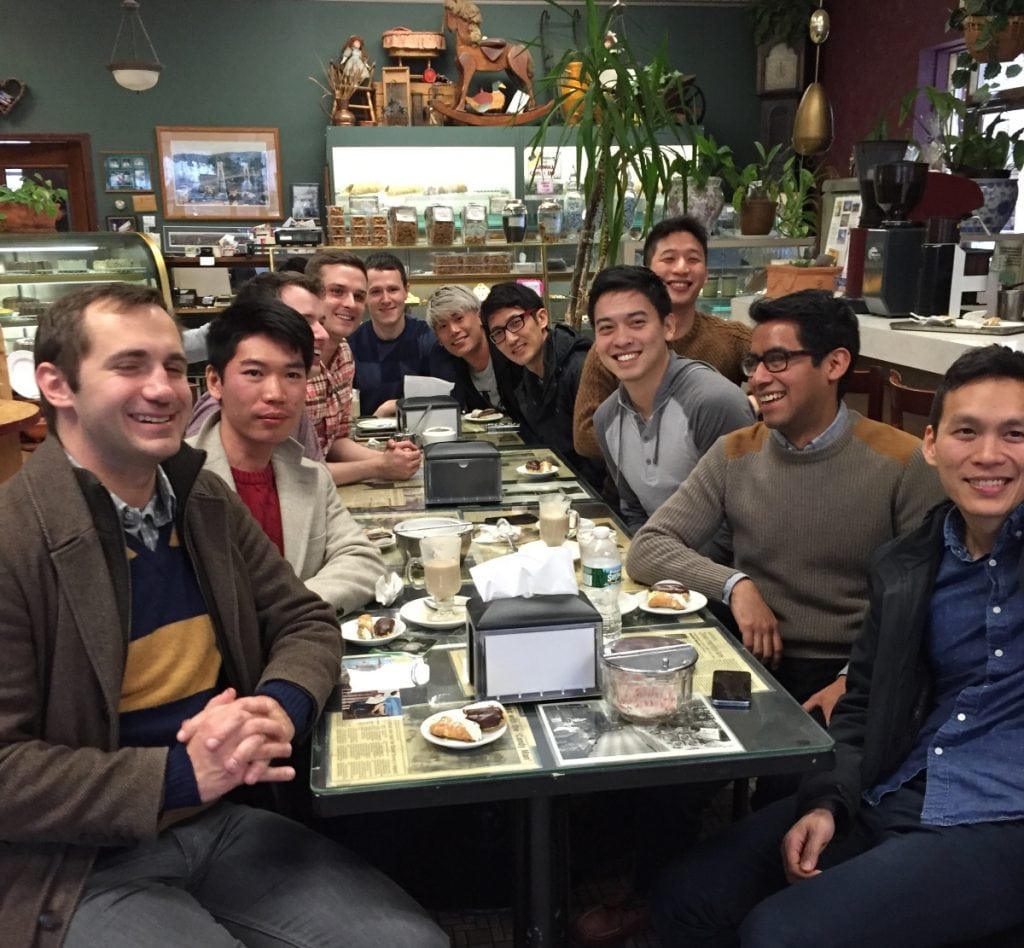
(37, 269)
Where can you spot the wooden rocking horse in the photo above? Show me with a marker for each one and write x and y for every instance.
(475, 54)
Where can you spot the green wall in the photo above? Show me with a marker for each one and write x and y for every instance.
(247, 62)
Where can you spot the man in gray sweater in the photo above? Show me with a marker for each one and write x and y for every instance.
(809, 493)
(667, 410)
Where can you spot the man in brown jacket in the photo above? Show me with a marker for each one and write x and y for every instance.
(676, 250)
(158, 653)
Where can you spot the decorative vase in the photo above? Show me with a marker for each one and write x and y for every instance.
(757, 215)
(572, 90)
(21, 219)
(1000, 199)
(1007, 45)
(706, 203)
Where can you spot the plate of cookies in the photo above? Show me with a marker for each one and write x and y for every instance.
(667, 597)
(538, 469)
(468, 727)
(369, 630)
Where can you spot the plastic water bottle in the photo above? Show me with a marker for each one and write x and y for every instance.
(602, 579)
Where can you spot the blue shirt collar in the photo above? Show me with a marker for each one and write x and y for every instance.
(827, 437)
(954, 532)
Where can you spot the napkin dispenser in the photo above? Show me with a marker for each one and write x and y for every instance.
(544, 648)
(461, 472)
(421, 412)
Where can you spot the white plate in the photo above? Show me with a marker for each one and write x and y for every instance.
(419, 613)
(349, 632)
(570, 545)
(628, 602)
(697, 601)
(483, 418)
(489, 737)
(536, 475)
(377, 424)
(21, 366)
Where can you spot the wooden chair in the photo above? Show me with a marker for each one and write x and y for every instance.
(871, 382)
(903, 398)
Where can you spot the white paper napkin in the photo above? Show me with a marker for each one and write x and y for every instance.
(537, 572)
(426, 385)
(388, 588)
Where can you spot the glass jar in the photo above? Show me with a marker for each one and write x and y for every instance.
(474, 225)
(572, 216)
(439, 222)
(513, 222)
(403, 226)
(549, 220)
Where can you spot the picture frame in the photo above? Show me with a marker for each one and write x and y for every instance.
(306, 201)
(396, 95)
(127, 172)
(122, 223)
(219, 172)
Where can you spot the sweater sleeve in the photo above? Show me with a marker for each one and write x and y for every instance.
(918, 491)
(666, 547)
(720, 407)
(596, 384)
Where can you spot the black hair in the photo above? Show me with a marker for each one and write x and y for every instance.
(624, 279)
(387, 261)
(259, 316)
(508, 296)
(675, 225)
(975, 365)
(823, 323)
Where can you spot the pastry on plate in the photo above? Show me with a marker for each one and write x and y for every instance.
(668, 594)
(490, 715)
(542, 466)
(992, 321)
(364, 626)
(383, 627)
(454, 726)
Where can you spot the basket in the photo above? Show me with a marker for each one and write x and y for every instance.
(403, 42)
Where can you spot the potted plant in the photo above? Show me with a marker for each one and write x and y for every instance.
(781, 21)
(696, 180)
(620, 121)
(798, 212)
(994, 33)
(755, 193)
(31, 206)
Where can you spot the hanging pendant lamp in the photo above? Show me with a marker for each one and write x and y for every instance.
(812, 125)
(132, 71)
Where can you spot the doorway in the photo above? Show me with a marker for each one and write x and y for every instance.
(66, 160)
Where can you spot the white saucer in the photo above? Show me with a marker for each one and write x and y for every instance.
(628, 602)
(536, 475)
(419, 613)
(21, 366)
(697, 601)
(377, 424)
(349, 633)
(489, 737)
(484, 418)
(571, 545)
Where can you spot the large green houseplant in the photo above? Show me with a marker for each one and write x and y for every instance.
(33, 205)
(621, 120)
(756, 187)
(994, 33)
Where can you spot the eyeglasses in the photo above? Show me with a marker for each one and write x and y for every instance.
(775, 360)
(513, 324)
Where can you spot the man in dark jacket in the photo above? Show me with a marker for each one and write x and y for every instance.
(916, 837)
(518, 324)
(158, 654)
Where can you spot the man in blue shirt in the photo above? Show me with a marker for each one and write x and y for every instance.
(916, 837)
(392, 345)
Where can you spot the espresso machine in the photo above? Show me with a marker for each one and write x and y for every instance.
(892, 252)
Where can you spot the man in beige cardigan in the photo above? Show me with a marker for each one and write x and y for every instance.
(257, 372)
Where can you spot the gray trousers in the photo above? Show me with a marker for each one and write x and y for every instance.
(237, 876)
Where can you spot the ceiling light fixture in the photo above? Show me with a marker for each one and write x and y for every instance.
(132, 71)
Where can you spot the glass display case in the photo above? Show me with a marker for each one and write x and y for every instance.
(37, 269)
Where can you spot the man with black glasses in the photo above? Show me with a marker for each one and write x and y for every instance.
(809, 494)
(518, 324)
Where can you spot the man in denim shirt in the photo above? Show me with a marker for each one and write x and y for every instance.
(916, 837)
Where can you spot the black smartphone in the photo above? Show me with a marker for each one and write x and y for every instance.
(730, 689)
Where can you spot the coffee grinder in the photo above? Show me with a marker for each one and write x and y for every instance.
(892, 252)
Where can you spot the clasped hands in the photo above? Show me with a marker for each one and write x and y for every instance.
(233, 740)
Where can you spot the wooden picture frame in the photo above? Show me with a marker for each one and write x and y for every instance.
(220, 173)
(397, 95)
(127, 172)
(122, 224)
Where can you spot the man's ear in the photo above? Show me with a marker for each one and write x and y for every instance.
(213, 382)
(669, 327)
(838, 361)
(542, 318)
(53, 385)
(928, 448)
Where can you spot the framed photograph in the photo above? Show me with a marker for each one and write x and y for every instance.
(220, 173)
(397, 95)
(126, 171)
(305, 201)
(122, 225)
